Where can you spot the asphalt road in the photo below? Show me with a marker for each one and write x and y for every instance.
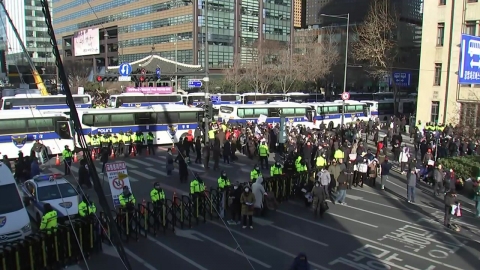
(376, 230)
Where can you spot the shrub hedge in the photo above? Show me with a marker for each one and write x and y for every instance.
(464, 167)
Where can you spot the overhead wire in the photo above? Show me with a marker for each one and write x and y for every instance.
(180, 152)
(31, 108)
(7, 43)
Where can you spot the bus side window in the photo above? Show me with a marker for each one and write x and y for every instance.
(8, 105)
(63, 130)
(119, 103)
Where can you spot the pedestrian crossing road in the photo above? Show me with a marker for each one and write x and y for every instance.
(375, 230)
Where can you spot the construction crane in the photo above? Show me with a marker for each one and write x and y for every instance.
(36, 76)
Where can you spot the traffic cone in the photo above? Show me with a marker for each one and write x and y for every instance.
(175, 198)
(93, 154)
(57, 161)
(75, 158)
(132, 153)
(173, 148)
(112, 155)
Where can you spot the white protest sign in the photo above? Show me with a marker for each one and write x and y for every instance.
(117, 178)
(262, 119)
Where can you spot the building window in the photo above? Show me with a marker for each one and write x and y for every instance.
(440, 34)
(434, 111)
(472, 1)
(471, 28)
(438, 74)
(442, 2)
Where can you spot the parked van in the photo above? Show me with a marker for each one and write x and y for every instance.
(14, 220)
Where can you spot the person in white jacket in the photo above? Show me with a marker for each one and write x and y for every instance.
(258, 191)
(403, 159)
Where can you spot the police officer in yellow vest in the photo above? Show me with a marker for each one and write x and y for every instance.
(88, 140)
(86, 207)
(49, 219)
(127, 200)
(263, 152)
(197, 186)
(157, 195)
(150, 138)
(255, 173)
(223, 181)
(339, 154)
(211, 136)
(127, 143)
(321, 162)
(300, 165)
(276, 169)
(67, 159)
(114, 140)
(139, 138)
(96, 143)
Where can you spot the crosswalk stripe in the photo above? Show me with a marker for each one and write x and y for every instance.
(74, 169)
(144, 175)
(152, 159)
(130, 165)
(140, 162)
(156, 171)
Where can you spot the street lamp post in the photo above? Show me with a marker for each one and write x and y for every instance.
(176, 62)
(346, 17)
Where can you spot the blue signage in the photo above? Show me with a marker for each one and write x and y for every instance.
(215, 98)
(194, 83)
(469, 67)
(125, 69)
(402, 78)
(158, 72)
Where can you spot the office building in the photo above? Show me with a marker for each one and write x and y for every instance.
(448, 102)
(299, 13)
(408, 28)
(175, 29)
(29, 20)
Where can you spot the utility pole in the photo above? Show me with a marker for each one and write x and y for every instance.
(176, 62)
(206, 79)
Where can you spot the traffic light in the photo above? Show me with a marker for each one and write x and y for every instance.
(208, 111)
(107, 78)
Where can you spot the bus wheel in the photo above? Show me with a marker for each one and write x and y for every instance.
(184, 135)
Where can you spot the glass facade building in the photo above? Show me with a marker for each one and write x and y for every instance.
(30, 23)
(177, 28)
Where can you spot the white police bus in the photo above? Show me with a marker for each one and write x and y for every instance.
(327, 112)
(141, 100)
(194, 99)
(20, 129)
(164, 121)
(257, 98)
(39, 102)
(384, 109)
(249, 113)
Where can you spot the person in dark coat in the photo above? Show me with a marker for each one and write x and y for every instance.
(227, 151)
(235, 205)
(104, 157)
(34, 168)
(182, 167)
(84, 175)
(198, 149)
(300, 263)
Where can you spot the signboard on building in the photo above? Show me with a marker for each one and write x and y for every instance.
(150, 90)
(86, 42)
(469, 66)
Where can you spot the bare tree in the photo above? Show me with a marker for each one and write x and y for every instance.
(318, 57)
(286, 69)
(376, 45)
(77, 73)
(235, 75)
(258, 72)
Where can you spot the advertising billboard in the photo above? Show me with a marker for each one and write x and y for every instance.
(86, 42)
